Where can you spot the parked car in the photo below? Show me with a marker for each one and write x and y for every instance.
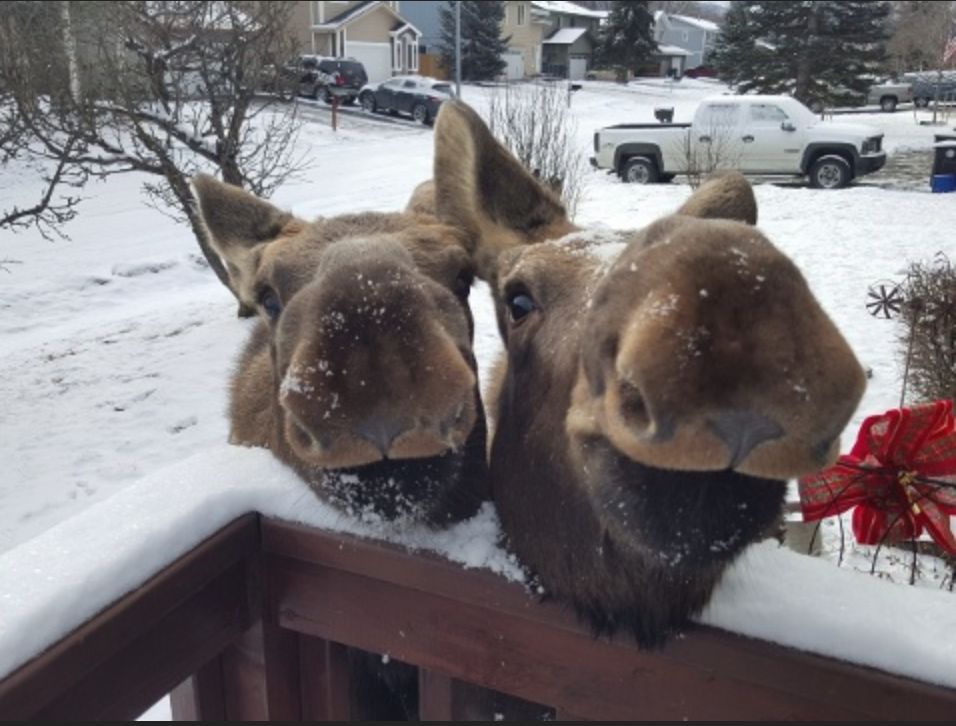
(760, 135)
(701, 72)
(885, 94)
(928, 83)
(418, 96)
(889, 95)
(321, 77)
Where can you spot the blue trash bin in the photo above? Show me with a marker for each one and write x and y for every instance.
(942, 183)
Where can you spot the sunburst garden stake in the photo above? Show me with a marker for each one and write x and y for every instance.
(884, 299)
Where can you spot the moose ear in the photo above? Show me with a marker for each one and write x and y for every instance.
(483, 190)
(724, 195)
(234, 218)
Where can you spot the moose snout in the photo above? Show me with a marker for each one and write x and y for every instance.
(404, 400)
(381, 431)
(742, 431)
(722, 358)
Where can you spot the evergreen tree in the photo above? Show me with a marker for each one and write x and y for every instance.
(627, 41)
(481, 43)
(818, 51)
(737, 55)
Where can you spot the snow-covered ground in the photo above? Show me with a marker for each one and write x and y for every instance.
(115, 345)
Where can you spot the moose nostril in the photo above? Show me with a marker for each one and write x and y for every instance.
(305, 438)
(742, 431)
(633, 408)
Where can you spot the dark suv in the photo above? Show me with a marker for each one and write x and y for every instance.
(927, 84)
(320, 77)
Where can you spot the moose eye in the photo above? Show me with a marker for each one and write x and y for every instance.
(269, 301)
(520, 305)
(463, 284)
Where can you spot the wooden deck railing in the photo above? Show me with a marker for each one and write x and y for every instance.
(256, 624)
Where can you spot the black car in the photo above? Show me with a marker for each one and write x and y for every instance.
(320, 77)
(418, 96)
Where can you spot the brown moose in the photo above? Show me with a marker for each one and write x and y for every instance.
(360, 373)
(652, 403)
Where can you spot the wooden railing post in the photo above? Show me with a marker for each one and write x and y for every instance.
(324, 679)
(199, 697)
(435, 697)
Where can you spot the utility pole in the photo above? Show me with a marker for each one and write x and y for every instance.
(458, 49)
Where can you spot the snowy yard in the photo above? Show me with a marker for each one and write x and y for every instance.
(117, 343)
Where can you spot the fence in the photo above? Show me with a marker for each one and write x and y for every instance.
(256, 623)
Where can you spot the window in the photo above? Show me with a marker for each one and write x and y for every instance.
(521, 13)
(412, 55)
(766, 114)
(396, 54)
(409, 84)
(718, 115)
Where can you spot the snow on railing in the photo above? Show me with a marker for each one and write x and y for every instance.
(140, 588)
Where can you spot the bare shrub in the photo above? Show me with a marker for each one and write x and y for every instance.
(929, 329)
(699, 159)
(534, 121)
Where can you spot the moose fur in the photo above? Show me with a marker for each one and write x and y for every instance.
(360, 373)
(651, 404)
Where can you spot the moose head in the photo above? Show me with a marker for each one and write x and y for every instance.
(658, 388)
(360, 372)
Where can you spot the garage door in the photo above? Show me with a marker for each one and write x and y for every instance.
(515, 64)
(578, 68)
(376, 57)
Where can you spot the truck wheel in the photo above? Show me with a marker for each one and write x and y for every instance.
(639, 170)
(888, 104)
(921, 102)
(830, 172)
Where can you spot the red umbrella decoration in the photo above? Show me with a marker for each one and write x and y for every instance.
(900, 476)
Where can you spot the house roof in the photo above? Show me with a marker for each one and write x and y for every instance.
(402, 26)
(358, 11)
(347, 16)
(707, 25)
(565, 36)
(672, 50)
(568, 8)
(699, 23)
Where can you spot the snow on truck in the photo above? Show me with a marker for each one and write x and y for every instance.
(759, 135)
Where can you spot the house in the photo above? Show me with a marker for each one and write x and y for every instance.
(552, 37)
(371, 32)
(667, 60)
(694, 35)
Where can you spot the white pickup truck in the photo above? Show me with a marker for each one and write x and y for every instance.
(758, 135)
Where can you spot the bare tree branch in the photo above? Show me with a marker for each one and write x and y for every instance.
(163, 87)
